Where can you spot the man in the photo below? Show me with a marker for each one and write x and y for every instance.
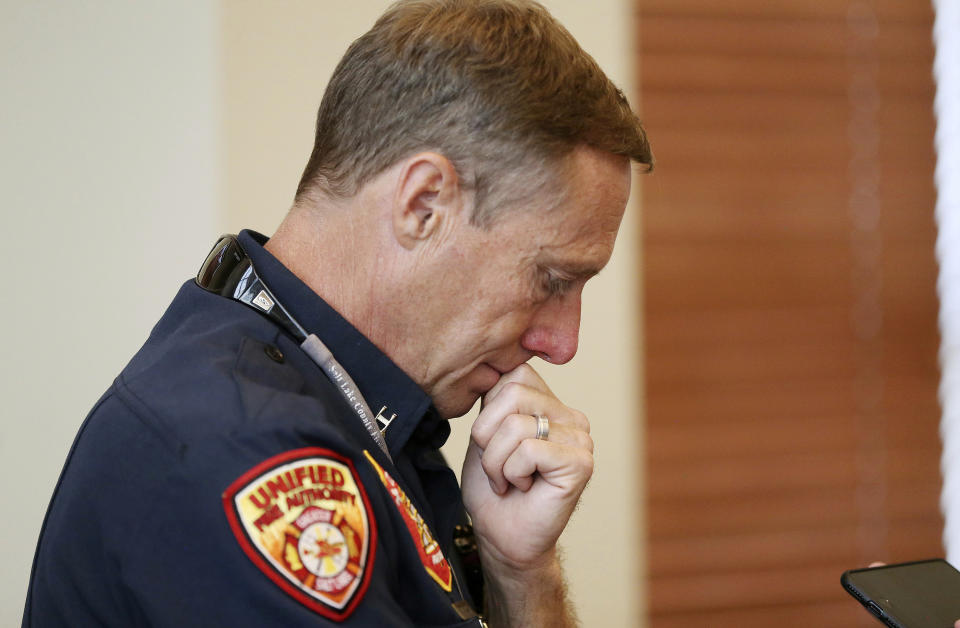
(270, 456)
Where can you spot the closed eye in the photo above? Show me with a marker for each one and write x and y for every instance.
(556, 283)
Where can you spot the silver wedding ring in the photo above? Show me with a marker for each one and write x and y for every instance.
(543, 427)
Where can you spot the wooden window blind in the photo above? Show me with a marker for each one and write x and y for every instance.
(790, 304)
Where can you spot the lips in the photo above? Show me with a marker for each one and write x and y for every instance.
(490, 366)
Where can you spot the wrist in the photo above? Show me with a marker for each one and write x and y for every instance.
(533, 594)
(514, 573)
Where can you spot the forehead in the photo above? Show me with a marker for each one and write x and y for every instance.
(579, 230)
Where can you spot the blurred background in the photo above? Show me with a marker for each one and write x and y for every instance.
(759, 361)
(791, 308)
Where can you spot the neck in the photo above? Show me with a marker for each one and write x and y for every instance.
(322, 244)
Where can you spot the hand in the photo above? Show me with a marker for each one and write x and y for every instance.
(520, 491)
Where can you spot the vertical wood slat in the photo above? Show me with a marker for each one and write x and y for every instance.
(774, 462)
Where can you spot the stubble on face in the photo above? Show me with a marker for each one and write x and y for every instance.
(505, 281)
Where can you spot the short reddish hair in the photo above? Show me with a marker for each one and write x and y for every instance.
(497, 86)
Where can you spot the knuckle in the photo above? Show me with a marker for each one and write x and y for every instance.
(519, 480)
(515, 424)
(479, 435)
(527, 375)
(514, 391)
(531, 377)
(512, 388)
(525, 371)
(580, 420)
(528, 446)
(587, 464)
(489, 465)
(586, 442)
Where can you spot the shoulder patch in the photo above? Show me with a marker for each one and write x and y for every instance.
(427, 547)
(304, 519)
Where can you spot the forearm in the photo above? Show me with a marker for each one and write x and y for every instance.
(533, 597)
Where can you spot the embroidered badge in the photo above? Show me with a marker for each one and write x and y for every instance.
(430, 553)
(304, 519)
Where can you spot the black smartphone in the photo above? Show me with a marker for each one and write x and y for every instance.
(920, 594)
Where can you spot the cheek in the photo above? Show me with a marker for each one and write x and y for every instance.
(496, 296)
(517, 300)
(514, 320)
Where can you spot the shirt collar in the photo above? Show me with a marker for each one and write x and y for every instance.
(382, 383)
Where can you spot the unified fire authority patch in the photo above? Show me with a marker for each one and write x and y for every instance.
(304, 519)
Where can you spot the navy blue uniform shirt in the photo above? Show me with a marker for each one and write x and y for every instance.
(223, 480)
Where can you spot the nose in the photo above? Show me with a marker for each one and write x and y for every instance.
(554, 333)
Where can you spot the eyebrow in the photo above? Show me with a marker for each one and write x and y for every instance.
(570, 270)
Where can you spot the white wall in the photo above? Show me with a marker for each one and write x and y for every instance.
(108, 193)
(134, 133)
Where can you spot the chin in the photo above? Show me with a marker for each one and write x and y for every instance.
(463, 394)
(454, 408)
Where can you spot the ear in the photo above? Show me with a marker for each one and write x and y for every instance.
(427, 198)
